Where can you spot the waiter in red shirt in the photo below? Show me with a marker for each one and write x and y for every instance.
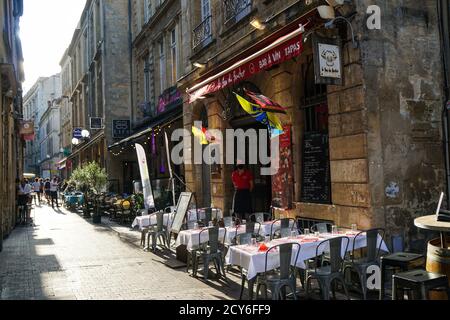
(243, 184)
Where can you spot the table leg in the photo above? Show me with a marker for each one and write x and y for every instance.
(444, 240)
(251, 285)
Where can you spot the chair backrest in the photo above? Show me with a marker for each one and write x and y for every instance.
(208, 215)
(373, 249)
(228, 221)
(285, 252)
(190, 225)
(213, 242)
(284, 224)
(243, 238)
(252, 227)
(160, 221)
(335, 246)
(260, 217)
(306, 223)
(321, 227)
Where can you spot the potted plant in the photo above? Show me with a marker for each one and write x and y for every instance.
(92, 180)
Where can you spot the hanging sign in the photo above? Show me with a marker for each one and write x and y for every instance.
(77, 133)
(327, 61)
(171, 97)
(27, 128)
(121, 129)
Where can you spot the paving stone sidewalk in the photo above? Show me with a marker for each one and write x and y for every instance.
(66, 257)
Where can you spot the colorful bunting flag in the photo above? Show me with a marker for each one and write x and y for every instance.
(265, 103)
(267, 118)
(200, 134)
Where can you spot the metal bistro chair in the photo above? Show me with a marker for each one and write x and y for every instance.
(159, 232)
(228, 222)
(322, 227)
(253, 228)
(239, 240)
(284, 276)
(208, 217)
(284, 230)
(325, 275)
(210, 252)
(370, 256)
(260, 217)
(191, 252)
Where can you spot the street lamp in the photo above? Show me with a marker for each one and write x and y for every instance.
(85, 134)
(75, 141)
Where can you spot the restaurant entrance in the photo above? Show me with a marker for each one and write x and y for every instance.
(262, 193)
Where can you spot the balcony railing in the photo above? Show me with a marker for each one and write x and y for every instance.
(202, 32)
(236, 10)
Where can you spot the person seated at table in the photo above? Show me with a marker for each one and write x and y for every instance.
(243, 184)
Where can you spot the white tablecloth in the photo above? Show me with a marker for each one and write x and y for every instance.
(150, 220)
(267, 226)
(190, 238)
(253, 261)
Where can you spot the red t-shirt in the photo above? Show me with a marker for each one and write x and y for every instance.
(242, 181)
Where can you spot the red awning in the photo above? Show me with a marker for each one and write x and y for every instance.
(281, 50)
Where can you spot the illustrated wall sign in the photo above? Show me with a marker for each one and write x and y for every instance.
(327, 60)
(121, 129)
(392, 190)
(329, 57)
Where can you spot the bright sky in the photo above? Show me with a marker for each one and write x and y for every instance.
(46, 30)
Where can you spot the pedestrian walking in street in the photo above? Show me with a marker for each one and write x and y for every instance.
(47, 185)
(24, 191)
(37, 191)
(54, 185)
(243, 184)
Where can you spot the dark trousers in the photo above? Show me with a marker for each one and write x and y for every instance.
(54, 195)
(243, 203)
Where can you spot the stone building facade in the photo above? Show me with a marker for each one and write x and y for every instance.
(11, 144)
(36, 102)
(66, 115)
(383, 123)
(156, 64)
(101, 84)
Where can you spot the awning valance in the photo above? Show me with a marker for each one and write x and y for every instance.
(281, 50)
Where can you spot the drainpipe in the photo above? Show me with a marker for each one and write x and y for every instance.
(444, 26)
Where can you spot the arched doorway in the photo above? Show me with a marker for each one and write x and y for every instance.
(240, 119)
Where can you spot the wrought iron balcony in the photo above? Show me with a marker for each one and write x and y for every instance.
(236, 10)
(202, 32)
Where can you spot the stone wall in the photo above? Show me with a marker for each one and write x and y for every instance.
(116, 73)
(403, 82)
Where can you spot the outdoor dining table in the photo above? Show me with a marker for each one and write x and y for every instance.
(252, 259)
(438, 250)
(190, 238)
(150, 220)
(266, 227)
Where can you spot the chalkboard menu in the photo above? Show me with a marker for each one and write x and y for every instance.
(316, 180)
(180, 211)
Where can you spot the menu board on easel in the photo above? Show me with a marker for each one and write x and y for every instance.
(316, 178)
(181, 210)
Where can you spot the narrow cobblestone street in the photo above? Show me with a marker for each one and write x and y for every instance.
(65, 257)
